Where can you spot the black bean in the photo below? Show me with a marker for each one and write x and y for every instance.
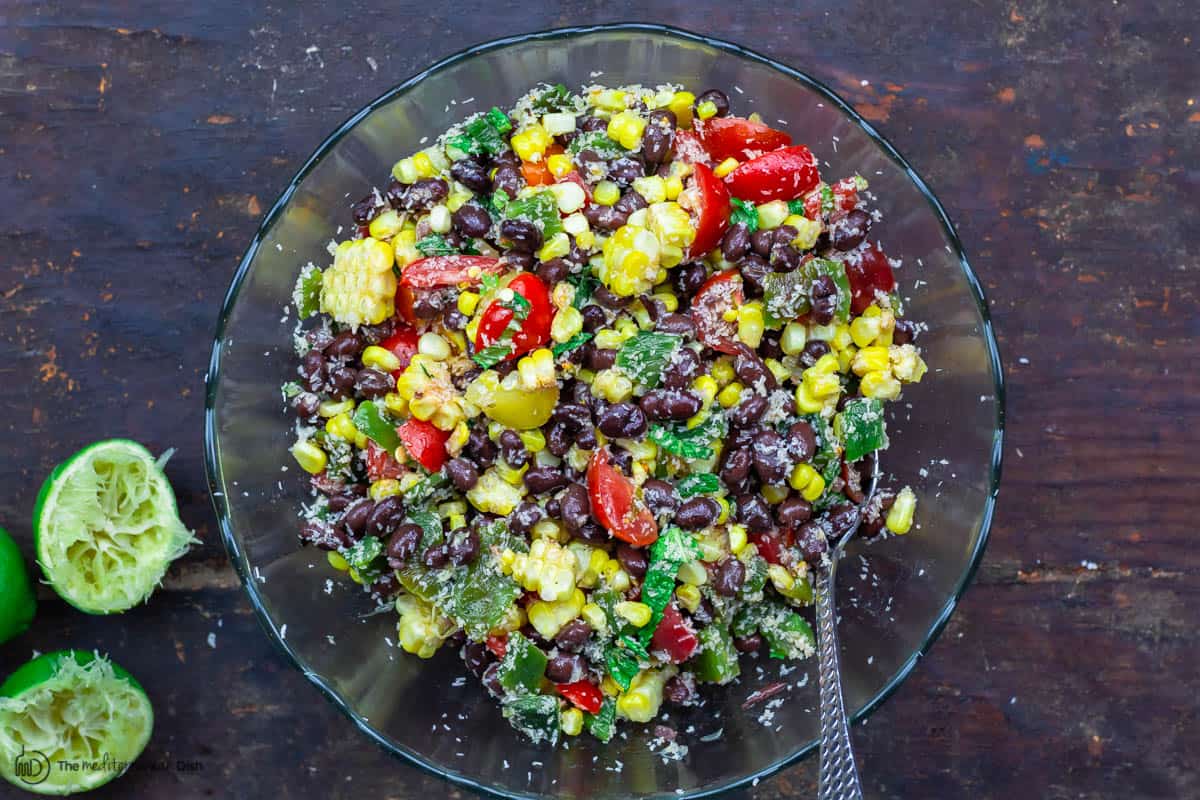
(429, 304)
(736, 466)
(367, 209)
(586, 438)
(813, 351)
(678, 324)
(677, 691)
(374, 334)
(316, 532)
(751, 370)
(785, 258)
(436, 557)
(670, 404)
(704, 614)
(801, 441)
(480, 448)
(425, 193)
(385, 587)
(717, 98)
(526, 515)
(748, 644)
(689, 278)
(513, 450)
(736, 242)
(630, 202)
(681, 370)
(345, 345)
(464, 546)
(372, 383)
(386, 515)
(522, 235)
(403, 544)
(823, 296)
(355, 518)
(540, 480)
(462, 474)
(623, 421)
(625, 170)
(575, 416)
(508, 180)
(850, 231)
(794, 511)
(592, 532)
(659, 496)
(754, 512)
(905, 332)
(477, 657)
(472, 220)
(553, 271)
(762, 241)
(841, 519)
(491, 680)
(591, 124)
(471, 174)
(306, 405)
(609, 299)
(771, 460)
(573, 636)
(748, 411)
(599, 358)
(395, 193)
(730, 575)
(633, 560)
(455, 320)
(606, 218)
(558, 439)
(754, 269)
(769, 346)
(810, 538)
(564, 668)
(594, 318)
(697, 512)
(658, 136)
(576, 509)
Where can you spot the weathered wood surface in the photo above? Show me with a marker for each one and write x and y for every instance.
(141, 141)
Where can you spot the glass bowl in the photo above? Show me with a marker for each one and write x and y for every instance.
(895, 596)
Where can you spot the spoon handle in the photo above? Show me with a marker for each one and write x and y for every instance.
(839, 774)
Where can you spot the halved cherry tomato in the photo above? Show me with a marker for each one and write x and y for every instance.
(498, 645)
(735, 137)
(869, 271)
(403, 345)
(425, 442)
(708, 200)
(437, 272)
(688, 149)
(536, 172)
(719, 293)
(779, 175)
(845, 194)
(582, 694)
(674, 636)
(381, 464)
(535, 330)
(616, 505)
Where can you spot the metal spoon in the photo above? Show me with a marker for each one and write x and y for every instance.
(838, 773)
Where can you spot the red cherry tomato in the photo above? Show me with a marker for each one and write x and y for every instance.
(402, 344)
(584, 695)
(688, 149)
(425, 442)
(719, 293)
(779, 175)
(869, 271)
(708, 200)
(735, 137)
(535, 330)
(616, 505)
(845, 194)
(498, 645)
(674, 636)
(381, 464)
(437, 272)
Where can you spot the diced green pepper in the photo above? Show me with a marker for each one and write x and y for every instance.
(535, 715)
(704, 483)
(785, 295)
(622, 665)
(599, 143)
(307, 294)
(744, 213)
(369, 420)
(482, 134)
(523, 665)
(363, 553)
(862, 427)
(756, 577)
(717, 658)
(788, 634)
(539, 208)
(602, 724)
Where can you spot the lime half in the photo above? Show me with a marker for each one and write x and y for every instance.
(71, 721)
(17, 602)
(106, 527)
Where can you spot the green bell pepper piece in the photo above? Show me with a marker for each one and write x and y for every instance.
(622, 665)
(788, 634)
(523, 665)
(369, 420)
(862, 427)
(535, 715)
(603, 724)
(717, 658)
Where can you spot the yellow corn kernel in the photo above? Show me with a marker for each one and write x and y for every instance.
(807, 231)
(494, 495)
(312, 459)
(386, 225)
(887, 325)
(548, 569)
(652, 188)
(337, 561)
(777, 368)
(342, 426)
(548, 618)
(626, 127)
(384, 487)
(636, 614)
(822, 385)
(585, 240)
(725, 167)
(750, 323)
(807, 481)
(331, 408)
(693, 573)
(775, 494)
(806, 403)
(730, 396)
(609, 686)
(723, 517)
(457, 200)
(405, 170)
(899, 518)
(668, 299)
(793, 338)
(379, 358)
(670, 223)
(737, 539)
(511, 474)
(864, 329)
(433, 346)
(421, 628)
(772, 214)
(439, 219)
(360, 287)
(681, 105)
(846, 358)
(559, 165)
(870, 359)
(514, 619)
(879, 385)
(644, 696)
(722, 371)
(548, 529)
(781, 579)
(907, 364)
(841, 337)
(608, 99)
(458, 439)
(606, 193)
(556, 247)
(706, 387)
(568, 322)
(594, 615)
(673, 187)
(706, 109)
(825, 365)
(688, 596)
(531, 142)
(424, 165)
(468, 302)
(404, 245)
(618, 579)
(571, 721)
(612, 385)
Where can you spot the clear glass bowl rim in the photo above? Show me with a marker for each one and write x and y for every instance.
(213, 468)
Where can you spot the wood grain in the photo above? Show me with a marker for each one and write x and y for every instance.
(140, 143)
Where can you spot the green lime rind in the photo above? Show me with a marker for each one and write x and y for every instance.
(71, 721)
(18, 603)
(106, 527)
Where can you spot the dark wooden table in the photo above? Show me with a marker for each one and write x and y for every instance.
(140, 143)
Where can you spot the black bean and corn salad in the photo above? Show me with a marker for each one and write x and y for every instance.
(592, 385)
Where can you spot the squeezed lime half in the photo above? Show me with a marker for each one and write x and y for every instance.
(106, 527)
(17, 601)
(71, 721)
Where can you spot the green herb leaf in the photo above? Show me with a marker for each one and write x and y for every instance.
(431, 488)
(307, 294)
(370, 420)
(622, 665)
(535, 715)
(363, 553)
(687, 442)
(431, 525)
(704, 483)
(552, 99)
(585, 283)
(863, 427)
(435, 245)
(796, 207)
(644, 356)
(599, 143)
(602, 724)
(489, 283)
(745, 213)
(575, 342)
(540, 208)
(669, 552)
